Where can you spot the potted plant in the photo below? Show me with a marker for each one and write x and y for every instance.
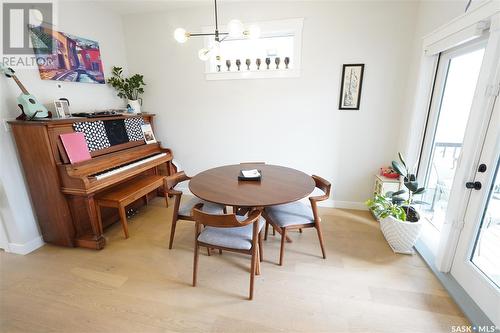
(399, 220)
(130, 88)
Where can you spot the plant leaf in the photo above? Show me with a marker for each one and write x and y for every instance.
(419, 190)
(411, 177)
(400, 169)
(397, 200)
(403, 215)
(398, 192)
(412, 186)
(402, 159)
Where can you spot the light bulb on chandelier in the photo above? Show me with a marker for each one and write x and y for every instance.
(181, 35)
(204, 54)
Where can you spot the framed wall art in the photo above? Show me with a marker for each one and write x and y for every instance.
(73, 58)
(62, 108)
(350, 87)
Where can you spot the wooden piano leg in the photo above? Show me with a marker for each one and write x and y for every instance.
(84, 212)
(99, 218)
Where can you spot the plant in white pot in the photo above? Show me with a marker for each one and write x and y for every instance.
(128, 87)
(399, 220)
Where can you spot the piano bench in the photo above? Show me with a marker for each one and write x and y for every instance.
(124, 194)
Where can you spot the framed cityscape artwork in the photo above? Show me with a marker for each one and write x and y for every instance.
(64, 57)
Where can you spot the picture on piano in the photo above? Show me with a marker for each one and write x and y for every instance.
(149, 136)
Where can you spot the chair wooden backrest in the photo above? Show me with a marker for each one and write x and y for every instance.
(223, 220)
(172, 181)
(325, 186)
(176, 178)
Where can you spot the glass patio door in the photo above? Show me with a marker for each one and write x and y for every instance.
(455, 84)
(463, 134)
(476, 264)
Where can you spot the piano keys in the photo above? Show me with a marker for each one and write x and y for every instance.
(63, 193)
(125, 167)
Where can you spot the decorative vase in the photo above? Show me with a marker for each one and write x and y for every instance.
(287, 61)
(135, 105)
(401, 235)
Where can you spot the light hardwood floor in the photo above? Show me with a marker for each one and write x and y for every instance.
(138, 285)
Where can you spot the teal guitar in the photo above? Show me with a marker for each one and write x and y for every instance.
(28, 103)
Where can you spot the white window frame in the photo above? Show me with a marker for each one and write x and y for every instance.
(288, 27)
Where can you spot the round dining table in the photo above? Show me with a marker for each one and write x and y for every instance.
(278, 185)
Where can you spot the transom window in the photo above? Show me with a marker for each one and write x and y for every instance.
(276, 53)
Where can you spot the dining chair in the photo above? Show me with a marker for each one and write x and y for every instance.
(297, 215)
(183, 210)
(230, 232)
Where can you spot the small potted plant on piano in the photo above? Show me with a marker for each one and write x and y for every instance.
(399, 220)
(128, 87)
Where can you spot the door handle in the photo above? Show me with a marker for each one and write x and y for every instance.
(473, 185)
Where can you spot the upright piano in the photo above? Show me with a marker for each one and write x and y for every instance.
(63, 193)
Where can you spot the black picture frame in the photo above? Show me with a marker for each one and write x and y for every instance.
(354, 102)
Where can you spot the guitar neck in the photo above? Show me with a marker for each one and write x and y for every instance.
(20, 85)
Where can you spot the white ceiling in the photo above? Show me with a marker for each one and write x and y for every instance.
(125, 7)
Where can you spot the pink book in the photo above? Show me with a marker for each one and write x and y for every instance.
(75, 146)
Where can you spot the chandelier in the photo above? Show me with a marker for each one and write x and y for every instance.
(236, 30)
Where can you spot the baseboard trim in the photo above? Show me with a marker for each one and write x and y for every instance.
(344, 204)
(26, 248)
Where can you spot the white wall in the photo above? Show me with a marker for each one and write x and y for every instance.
(431, 15)
(85, 19)
(292, 122)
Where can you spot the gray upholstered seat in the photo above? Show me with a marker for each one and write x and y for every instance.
(290, 214)
(235, 238)
(208, 207)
